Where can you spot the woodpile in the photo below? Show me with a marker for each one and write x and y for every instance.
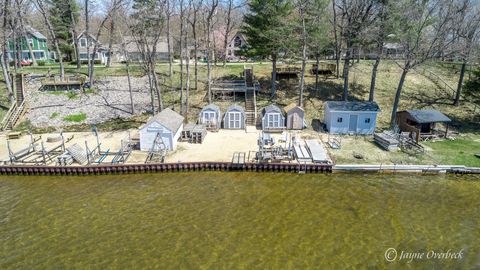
(386, 140)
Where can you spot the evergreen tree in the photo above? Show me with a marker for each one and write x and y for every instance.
(64, 14)
(268, 30)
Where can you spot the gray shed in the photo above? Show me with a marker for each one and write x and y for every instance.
(295, 116)
(272, 118)
(168, 124)
(210, 116)
(234, 118)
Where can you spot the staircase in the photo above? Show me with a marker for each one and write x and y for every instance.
(438, 81)
(18, 109)
(250, 110)
(250, 98)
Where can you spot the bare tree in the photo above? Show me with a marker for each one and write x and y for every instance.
(230, 24)
(379, 39)
(5, 12)
(168, 14)
(419, 36)
(358, 14)
(196, 6)
(41, 8)
(466, 23)
(20, 5)
(211, 6)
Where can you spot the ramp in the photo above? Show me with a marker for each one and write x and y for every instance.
(317, 151)
(302, 153)
(78, 153)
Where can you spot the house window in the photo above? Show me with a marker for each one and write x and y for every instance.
(39, 55)
(339, 119)
(30, 42)
(83, 43)
(367, 120)
(237, 42)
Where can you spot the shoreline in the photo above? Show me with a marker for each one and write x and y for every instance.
(229, 167)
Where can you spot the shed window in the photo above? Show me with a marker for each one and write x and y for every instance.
(339, 119)
(367, 120)
(273, 120)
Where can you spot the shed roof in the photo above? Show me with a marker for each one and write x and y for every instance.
(271, 108)
(211, 107)
(428, 116)
(355, 106)
(291, 106)
(235, 107)
(168, 118)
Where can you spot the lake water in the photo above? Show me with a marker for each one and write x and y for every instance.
(214, 220)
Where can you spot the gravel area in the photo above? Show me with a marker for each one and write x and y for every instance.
(109, 100)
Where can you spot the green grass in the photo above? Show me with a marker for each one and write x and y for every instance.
(54, 115)
(76, 118)
(456, 152)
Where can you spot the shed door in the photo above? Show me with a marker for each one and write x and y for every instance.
(235, 120)
(296, 121)
(273, 120)
(353, 123)
(209, 117)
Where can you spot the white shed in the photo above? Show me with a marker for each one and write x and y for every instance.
(350, 117)
(210, 116)
(234, 118)
(272, 118)
(167, 123)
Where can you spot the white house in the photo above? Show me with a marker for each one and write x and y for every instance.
(237, 42)
(87, 43)
(350, 117)
(168, 124)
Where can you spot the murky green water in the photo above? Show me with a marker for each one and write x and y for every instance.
(237, 221)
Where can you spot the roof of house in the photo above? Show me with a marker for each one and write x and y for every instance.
(291, 106)
(131, 45)
(34, 32)
(427, 116)
(168, 118)
(356, 106)
(271, 108)
(235, 107)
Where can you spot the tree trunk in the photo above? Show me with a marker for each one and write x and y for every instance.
(209, 65)
(195, 41)
(6, 77)
(227, 31)
(346, 70)
(158, 89)
(304, 58)
(371, 96)
(460, 84)
(110, 42)
(87, 35)
(337, 42)
(317, 58)
(150, 83)
(169, 46)
(182, 33)
(274, 75)
(187, 82)
(75, 40)
(42, 10)
(127, 66)
(393, 118)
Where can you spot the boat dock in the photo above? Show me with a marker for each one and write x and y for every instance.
(408, 168)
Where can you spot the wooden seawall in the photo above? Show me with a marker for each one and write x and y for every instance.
(408, 168)
(163, 167)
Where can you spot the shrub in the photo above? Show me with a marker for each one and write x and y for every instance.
(54, 115)
(75, 117)
(41, 63)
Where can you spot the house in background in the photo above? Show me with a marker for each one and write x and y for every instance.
(131, 49)
(350, 117)
(37, 41)
(167, 125)
(87, 43)
(237, 42)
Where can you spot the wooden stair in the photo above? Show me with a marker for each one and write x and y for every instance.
(19, 108)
